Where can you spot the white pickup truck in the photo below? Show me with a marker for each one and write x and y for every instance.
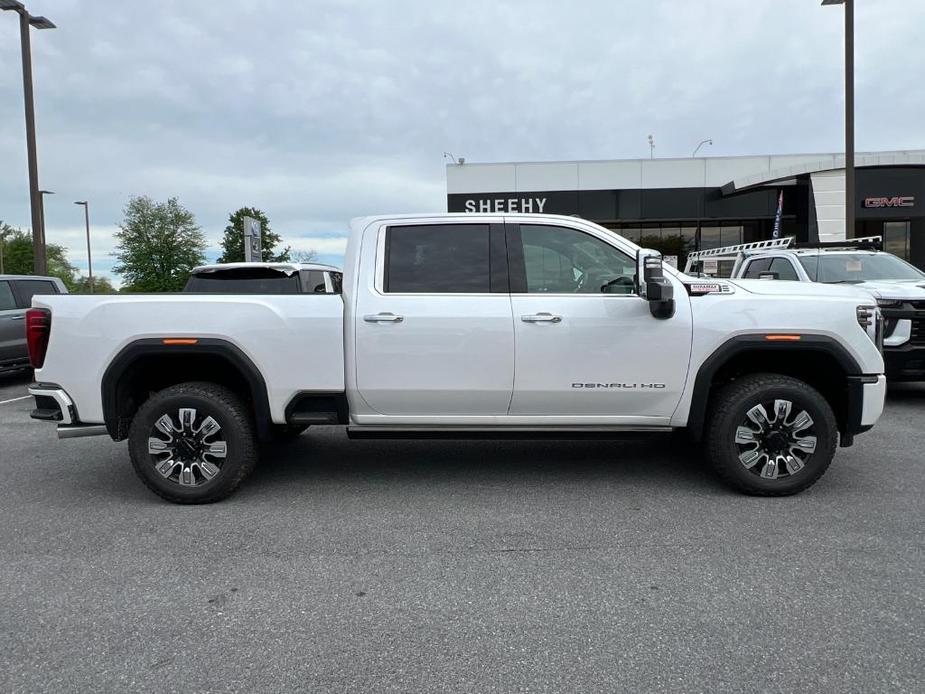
(469, 326)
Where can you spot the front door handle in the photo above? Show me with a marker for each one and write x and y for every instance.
(383, 318)
(541, 318)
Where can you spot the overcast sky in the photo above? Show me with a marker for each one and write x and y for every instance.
(317, 111)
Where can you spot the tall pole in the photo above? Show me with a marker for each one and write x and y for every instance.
(40, 266)
(86, 206)
(850, 202)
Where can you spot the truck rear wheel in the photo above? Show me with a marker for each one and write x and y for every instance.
(770, 435)
(193, 443)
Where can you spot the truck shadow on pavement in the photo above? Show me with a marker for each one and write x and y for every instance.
(905, 392)
(327, 456)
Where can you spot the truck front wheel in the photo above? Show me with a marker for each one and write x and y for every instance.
(193, 443)
(770, 435)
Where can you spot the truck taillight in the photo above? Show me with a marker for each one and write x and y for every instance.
(38, 330)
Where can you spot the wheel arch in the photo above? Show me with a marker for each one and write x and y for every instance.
(148, 365)
(818, 360)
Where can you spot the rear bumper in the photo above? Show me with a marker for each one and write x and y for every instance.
(53, 404)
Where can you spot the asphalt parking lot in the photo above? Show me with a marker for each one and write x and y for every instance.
(445, 566)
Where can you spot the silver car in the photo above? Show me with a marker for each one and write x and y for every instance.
(16, 292)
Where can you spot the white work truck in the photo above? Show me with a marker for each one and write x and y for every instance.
(465, 326)
(897, 286)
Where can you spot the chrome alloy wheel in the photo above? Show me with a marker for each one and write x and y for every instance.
(776, 445)
(185, 451)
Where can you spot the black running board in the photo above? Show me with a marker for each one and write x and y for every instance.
(512, 433)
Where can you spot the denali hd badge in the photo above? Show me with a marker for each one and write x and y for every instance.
(626, 386)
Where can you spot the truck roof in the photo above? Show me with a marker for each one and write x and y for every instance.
(29, 277)
(288, 268)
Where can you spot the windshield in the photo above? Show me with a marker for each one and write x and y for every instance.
(858, 267)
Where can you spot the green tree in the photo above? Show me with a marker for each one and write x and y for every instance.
(101, 285)
(233, 240)
(158, 245)
(19, 259)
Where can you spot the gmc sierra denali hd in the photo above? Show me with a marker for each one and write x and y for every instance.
(469, 326)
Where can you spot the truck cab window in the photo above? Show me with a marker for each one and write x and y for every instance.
(784, 269)
(756, 267)
(313, 282)
(559, 260)
(7, 302)
(437, 259)
(29, 288)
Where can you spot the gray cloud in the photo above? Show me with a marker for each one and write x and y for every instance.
(320, 111)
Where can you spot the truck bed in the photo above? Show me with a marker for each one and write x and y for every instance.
(298, 340)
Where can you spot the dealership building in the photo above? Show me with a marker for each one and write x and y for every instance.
(681, 205)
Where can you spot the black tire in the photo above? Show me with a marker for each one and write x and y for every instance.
(236, 431)
(729, 411)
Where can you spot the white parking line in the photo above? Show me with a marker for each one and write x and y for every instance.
(24, 397)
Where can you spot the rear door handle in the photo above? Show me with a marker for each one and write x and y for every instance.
(383, 318)
(541, 318)
(18, 318)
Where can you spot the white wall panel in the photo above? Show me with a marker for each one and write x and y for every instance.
(529, 177)
(480, 178)
(610, 175)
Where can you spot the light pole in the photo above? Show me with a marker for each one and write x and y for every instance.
(651, 147)
(849, 113)
(42, 194)
(708, 141)
(38, 230)
(86, 206)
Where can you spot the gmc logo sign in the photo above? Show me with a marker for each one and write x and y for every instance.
(895, 201)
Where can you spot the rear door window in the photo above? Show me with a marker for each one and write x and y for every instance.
(7, 300)
(438, 259)
(26, 289)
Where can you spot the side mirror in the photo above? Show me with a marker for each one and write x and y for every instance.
(653, 286)
(768, 276)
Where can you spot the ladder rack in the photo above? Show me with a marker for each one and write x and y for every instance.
(772, 244)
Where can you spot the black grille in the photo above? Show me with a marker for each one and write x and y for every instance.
(918, 305)
(918, 332)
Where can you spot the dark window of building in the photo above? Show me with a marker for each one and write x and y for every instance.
(896, 238)
(567, 261)
(438, 259)
(29, 288)
(784, 269)
(756, 267)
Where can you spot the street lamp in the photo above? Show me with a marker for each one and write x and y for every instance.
(651, 147)
(708, 141)
(86, 206)
(849, 112)
(38, 230)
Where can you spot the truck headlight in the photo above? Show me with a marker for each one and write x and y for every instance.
(871, 320)
(888, 303)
